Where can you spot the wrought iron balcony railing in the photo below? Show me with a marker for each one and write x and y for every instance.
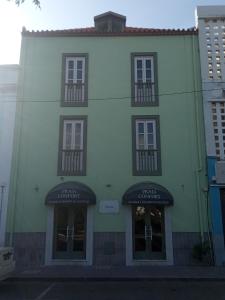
(144, 93)
(74, 93)
(147, 161)
(72, 162)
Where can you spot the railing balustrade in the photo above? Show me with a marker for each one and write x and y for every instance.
(146, 161)
(144, 93)
(74, 93)
(72, 161)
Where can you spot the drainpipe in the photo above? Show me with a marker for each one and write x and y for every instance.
(198, 132)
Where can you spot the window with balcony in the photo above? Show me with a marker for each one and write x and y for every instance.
(74, 85)
(72, 146)
(144, 81)
(146, 145)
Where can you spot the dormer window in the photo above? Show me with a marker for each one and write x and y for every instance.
(110, 22)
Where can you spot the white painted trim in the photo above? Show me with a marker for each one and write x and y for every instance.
(49, 241)
(145, 123)
(143, 69)
(73, 145)
(75, 68)
(49, 235)
(168, 235)
(168, 241)
(129, 243)
(90, 230)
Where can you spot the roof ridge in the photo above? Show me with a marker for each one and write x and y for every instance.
(128, 30)
(127, 27)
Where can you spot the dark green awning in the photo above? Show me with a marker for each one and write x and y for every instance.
(70, 193)
(147, 193)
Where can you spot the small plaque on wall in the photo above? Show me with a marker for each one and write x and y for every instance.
(109, 207)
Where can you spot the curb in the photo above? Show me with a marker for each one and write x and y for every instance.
(113, 279)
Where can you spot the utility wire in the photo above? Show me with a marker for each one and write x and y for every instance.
(114, 98)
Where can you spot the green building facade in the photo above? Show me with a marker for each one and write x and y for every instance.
(108, 164)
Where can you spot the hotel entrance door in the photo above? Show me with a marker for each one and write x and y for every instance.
(70, 232)
(148, 232)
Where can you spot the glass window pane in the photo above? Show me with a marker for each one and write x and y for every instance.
(140, 139)
(150, 127)
(78, 128)
(139, 64)
(77, 136)
(71, 64)
(148, 64)
(77, 142)
(139, 75)
(68, 136)
(148, 74)
(150, 139)
(157, 229)
(70, 74)
(79, 226)
(79, 64)
(140, 127)
(79, 74)
(61, 222)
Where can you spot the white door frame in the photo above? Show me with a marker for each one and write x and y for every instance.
(50, 236)
(129, 241)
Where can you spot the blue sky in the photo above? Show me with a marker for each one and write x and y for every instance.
(58, 14)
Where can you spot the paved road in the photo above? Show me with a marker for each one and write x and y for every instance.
(112, 290)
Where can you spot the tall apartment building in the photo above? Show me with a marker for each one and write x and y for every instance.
(8, 87)
(108, 165)
(211, 27)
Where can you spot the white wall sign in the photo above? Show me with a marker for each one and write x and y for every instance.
(109, 207)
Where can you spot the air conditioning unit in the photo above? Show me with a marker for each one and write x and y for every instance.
(220, 171)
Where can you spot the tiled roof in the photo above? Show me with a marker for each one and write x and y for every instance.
(128, 31)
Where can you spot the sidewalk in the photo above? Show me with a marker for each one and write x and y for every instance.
(97, 273)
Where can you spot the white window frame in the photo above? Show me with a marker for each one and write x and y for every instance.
(144, 59)
(75, 69)
(146, 155)
(72, 150)
(73, 134)
(145, 123)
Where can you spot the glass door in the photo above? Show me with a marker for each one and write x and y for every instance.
(148, 233)
(70, 232)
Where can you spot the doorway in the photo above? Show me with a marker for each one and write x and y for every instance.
(70, 227)
(148, 232)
